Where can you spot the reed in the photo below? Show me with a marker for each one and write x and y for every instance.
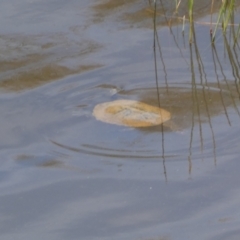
(237, 35)
(225, 16)
(190, 12)
(225, 13)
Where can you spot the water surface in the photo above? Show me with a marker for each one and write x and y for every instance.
(65, 175)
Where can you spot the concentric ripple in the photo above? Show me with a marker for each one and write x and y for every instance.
(205, 115)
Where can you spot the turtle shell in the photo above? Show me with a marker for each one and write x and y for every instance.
(130, 113)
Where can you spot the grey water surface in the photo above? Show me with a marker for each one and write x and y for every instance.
(65, 175)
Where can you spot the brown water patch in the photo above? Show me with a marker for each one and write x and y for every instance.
(191, 105)
(37, 77)
(17, 63)
(52, 162)
(31, 159)
(141, 13)
(30, 61)
(108, 6)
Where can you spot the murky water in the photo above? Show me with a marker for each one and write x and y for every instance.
(65, 175)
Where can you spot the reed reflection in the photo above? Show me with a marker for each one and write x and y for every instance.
(156, 40)
(203, 83)
(208, 98)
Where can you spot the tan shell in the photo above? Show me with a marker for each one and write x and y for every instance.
(130, 113)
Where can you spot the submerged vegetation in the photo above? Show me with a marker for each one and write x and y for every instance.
(225, 16)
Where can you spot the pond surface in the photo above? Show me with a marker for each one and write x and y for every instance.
(66, 175)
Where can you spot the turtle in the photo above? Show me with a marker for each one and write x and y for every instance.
(131, 113)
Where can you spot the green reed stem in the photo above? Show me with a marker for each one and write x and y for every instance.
(190, 12)
(225, 13)
(183, 26)
(237, 35)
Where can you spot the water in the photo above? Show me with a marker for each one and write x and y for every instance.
(65, 175)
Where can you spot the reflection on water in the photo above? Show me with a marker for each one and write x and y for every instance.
(141, 14)
(41, 162)
(38, 52)
(197, 134)
(211, 101)
(37, 77)
(28, 62)
(65, 175)
(196, 107)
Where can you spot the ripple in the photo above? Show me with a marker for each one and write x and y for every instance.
(111, 152)
(208, 117)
